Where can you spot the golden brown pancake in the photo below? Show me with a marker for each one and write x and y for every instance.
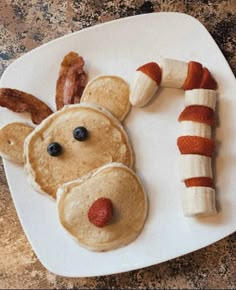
(12, 138)
(107, 142)
(115, 182)
(110, 92)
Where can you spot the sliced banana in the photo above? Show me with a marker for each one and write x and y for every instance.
(200, 97)
(194, 165)
(142, 89)
(191, 128)
(174, 73)
(198, 201)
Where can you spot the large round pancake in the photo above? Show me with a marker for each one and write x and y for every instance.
(107, 142)
(116, 182)
(110, 92)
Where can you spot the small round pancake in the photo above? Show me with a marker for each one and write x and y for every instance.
(107, 142)
(116, 182)
(110, 92)
(12, 138)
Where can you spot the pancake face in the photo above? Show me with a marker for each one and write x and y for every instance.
(115, 182)
(107, 142)
(110, 92)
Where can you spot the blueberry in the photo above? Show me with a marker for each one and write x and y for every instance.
(54, 149)
(80, 133)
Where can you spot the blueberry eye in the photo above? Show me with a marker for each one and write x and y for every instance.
(54, 149)
(80, 133)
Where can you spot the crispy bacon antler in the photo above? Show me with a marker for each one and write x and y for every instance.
(19, 101)
(72, 80)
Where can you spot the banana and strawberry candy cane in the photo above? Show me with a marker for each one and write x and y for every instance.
(197, 148)
(195, 143)
(170, 73)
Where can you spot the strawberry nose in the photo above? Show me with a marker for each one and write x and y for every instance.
(100, 212)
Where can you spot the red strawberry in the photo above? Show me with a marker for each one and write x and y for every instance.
(194, 76)
(197, 113)
(196, 145)
(100, 212)
(199, 181)
(207, 81)
(153, 70)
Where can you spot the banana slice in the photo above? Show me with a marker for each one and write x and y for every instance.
(174, 73)
(198, 201)
(142, 89)
(191, 128)
(194, 165)
(200, 97)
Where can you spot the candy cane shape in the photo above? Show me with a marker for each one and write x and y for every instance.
(170, 73)
(196, 148)
(196, 120)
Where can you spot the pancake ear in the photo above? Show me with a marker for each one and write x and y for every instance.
(12, 138)
(109, 92)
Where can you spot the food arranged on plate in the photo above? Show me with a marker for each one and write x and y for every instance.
(82, 157)
(109, 92)
(197, 148)
(196, 120)
(12, 138)
(71, 81)
(71, 143)
(105, 209)
(170, 73)
(20, 102)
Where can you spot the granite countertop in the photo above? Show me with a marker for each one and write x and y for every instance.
(28, 24)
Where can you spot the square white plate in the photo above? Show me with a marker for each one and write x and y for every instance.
(119, 47)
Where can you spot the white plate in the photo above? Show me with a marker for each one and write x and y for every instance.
(119, 47)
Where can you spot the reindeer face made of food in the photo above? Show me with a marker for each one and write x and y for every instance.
(81, 154)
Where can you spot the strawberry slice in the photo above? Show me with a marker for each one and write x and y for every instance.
(198, 113)
(196, 145)
(152, 70)
(199, 181)
(194, 76)
(207, 81)
(100, 212)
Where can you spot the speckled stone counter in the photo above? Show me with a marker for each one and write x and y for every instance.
(25, 25)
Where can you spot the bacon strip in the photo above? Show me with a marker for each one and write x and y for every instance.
(72, 80)
(19, 101)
